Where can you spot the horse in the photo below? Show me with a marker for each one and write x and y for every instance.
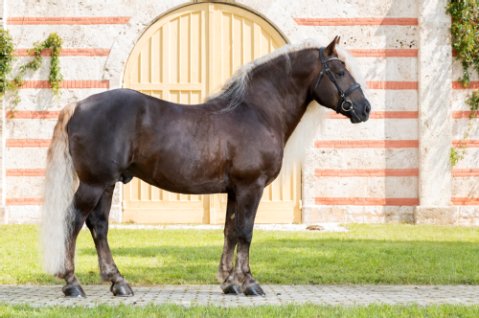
(233, 143)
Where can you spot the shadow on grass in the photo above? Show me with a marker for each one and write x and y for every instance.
(306, 261)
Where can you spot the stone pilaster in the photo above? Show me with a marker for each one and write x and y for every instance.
(435, 122)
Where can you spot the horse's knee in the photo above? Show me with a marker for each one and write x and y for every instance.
(245, 234)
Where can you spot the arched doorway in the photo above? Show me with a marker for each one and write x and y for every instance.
(184, 57)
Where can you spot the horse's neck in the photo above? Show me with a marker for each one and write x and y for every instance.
(282, 91)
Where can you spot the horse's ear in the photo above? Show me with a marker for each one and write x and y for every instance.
(331, 48)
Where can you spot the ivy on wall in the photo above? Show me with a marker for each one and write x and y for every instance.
(54, 43)
(465, 42)
(6, 59)
(11, 83)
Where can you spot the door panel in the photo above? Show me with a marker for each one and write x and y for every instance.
(184, 57)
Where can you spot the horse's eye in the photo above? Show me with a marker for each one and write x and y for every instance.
(340, 73)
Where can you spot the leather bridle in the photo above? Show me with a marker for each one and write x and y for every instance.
(344, 103)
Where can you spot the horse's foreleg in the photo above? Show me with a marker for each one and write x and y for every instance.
(225, 270)
(84, 201)
(248, 199)
(97, 223)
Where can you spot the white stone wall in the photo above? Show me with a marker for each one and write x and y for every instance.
(394, 168)
(2, 150)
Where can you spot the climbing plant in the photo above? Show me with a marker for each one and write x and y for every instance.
(6, 59)
(12, 82)
(465, 42)
(465, 34)
(54, 43)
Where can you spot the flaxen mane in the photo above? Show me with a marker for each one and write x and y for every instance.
(234, 89)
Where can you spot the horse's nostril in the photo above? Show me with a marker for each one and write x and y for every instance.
(367, 109)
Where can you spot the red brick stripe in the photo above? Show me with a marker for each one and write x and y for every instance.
(465, 201)
(465, 114)
(25, 172)
(465, 172)
(383, 115)
(67, 52)
(472, 85)
(367, 201)
(24, 201)
(383, 52)
(33, 114)
(396, 85)
(69, 84)
(106, 52)
(367, 172)
(466, 143)
(356, 21)
(366, 144)
(28, 143)
(67, 20)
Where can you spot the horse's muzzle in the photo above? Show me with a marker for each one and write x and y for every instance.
(360, 113)
(366, 110)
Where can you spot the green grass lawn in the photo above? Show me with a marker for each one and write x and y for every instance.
(296, 311)
(367, 254)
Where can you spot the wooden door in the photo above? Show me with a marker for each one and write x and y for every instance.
(184, 57)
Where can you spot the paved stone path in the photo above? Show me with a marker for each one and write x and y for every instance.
(188, 295)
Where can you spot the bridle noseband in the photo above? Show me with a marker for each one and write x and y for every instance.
(344, 103)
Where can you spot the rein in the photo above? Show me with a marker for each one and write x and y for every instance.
(344, 102)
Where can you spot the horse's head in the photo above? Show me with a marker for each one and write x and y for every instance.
(336, 88)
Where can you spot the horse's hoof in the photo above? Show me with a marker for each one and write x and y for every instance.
(253, 290)
(121, 289)
(231, 289)
(73, 291)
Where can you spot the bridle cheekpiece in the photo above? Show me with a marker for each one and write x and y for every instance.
(344, 103)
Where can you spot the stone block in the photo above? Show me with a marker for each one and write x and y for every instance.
(437, 215)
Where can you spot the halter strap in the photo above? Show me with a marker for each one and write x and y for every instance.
(344, 103)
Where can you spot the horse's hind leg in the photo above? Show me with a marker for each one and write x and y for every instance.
(85, 199)
(97, 223)
(225, 270)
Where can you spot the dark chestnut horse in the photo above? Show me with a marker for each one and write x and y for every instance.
(233, 143)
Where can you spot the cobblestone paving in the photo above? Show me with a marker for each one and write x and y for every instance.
(275, 295)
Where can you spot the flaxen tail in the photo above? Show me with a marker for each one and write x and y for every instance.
(61, 182)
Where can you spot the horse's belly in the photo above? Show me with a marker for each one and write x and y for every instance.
(193, 187)
(184, 180)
